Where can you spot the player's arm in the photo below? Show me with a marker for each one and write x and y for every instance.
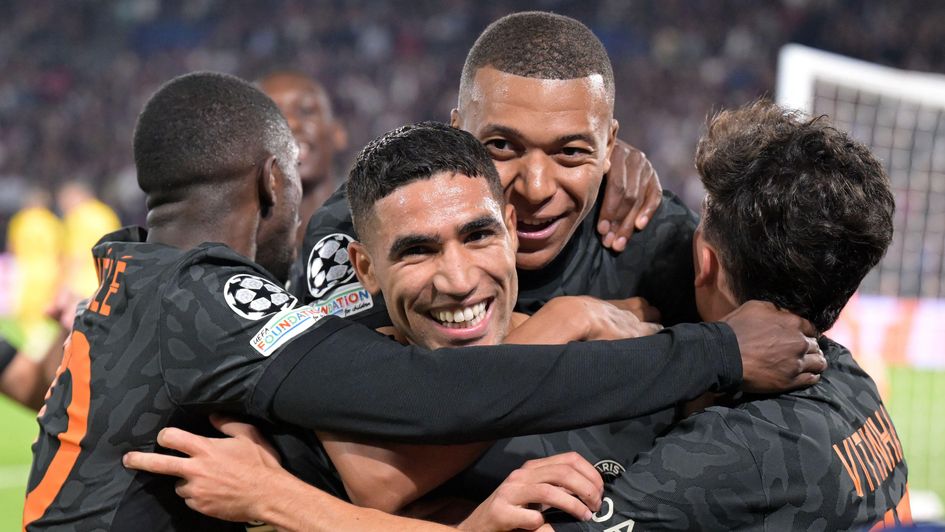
(388, 476)
(26, 380)
(579, 318)
(631, 196)
(239, 479)
(336, 376)
(488, 392)
(701, 475)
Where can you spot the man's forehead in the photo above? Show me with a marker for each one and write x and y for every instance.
(540, 106)
(439, 203)
(490, 86)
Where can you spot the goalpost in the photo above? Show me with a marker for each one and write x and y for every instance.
(897, 319)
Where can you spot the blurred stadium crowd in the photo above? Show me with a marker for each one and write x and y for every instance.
(75, 76)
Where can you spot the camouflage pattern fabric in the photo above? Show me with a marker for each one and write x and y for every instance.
(169, 336)
(823, 458)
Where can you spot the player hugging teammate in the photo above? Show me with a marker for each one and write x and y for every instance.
(459, 239)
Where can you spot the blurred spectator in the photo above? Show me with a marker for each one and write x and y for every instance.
(35, 239)
(86, 220)
(308, 110)
(76, 73)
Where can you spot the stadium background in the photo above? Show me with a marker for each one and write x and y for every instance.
(74, 75)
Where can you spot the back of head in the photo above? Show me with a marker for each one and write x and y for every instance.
(798, 211)
(541, 45)
(411, 153)
(205, 128)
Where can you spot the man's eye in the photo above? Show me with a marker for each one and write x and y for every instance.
(499, 146)
(479, 235)
(571, 151)
(415, 250)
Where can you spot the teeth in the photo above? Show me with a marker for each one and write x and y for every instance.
(461, 318)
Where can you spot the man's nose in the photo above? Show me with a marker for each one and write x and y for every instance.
(456, 275)
(534, 181)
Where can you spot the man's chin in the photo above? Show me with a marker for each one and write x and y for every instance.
(437, 341)
(537, 259)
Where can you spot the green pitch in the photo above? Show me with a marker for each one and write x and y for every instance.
(914, 408)
(19, 431)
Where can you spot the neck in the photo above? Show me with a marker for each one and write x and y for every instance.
(185, 225)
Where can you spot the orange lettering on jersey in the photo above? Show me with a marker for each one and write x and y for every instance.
(889, 432)
(858, 452)
(112, 288)
(99, 303)
(871, 453)
(900, 515)
(849, 465)
(76, 359)
(871, 433)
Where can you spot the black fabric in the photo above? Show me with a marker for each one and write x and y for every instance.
(822, 458)
(382, 389)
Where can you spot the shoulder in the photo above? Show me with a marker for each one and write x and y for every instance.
(324, 255)
(672, 217)
(216, 278)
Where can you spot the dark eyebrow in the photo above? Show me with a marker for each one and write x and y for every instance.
(577, 136)
(505, 131)
(511, 132)
(408, 241)
(484, 222)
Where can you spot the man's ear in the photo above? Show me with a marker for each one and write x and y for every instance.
(611, 142)
(455, 119)
(363, 266)
(705, 261)
(266, 185)
(511, 222)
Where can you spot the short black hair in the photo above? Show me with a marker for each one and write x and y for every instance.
(411, 153)
(205, 128)
(542, 45)
(798, 210)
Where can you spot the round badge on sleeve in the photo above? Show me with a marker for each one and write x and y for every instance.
(254, 297)
(328, 264)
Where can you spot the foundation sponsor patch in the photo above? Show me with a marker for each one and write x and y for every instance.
(283, 327)
(346, 300)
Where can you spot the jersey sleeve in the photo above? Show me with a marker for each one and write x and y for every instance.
(324, 277)
(667, 282)
(353, 380)
(222, 319)
(701, 475)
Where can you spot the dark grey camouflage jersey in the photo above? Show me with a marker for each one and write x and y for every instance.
(823, 458)
(137, 362)
(656, 265)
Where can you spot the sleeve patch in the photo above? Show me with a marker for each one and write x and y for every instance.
(253, 297)
(328, 265)
(284, 326)
(346, 301)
